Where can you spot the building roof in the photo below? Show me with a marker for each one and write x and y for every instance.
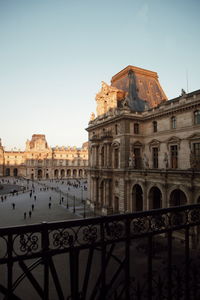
(142, 86)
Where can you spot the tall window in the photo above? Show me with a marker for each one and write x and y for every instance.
(116, 129)
(155, 157)
(173, 122)
(196, 148)
(116, 158)
(197, 117)
(155, 126)
(102, 156)
(138, 159)
(136, 128)
(174, 157)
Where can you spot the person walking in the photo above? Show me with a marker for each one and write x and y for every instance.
(35, 198)
(32, 207)
(13, 205)
(24, 215)
(49, 205)
(29, 213)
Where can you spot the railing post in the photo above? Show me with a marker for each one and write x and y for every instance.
(169, 267)
(45, 248)
(150, 258)
(103, 262)
(127, 259)
(187, 264)
(10, 267)
(74, 271)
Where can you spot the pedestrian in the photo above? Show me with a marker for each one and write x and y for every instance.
(32, 207)
(29, 213)
(30, 194)
(62, 199)
(49, 205)
(34, 198)
(13, 205)
(50, 198)
(24, 215)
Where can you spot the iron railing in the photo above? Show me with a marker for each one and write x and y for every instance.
(144, 255)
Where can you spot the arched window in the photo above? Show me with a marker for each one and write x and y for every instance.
(173, 122)
(197, 117)
(155, 127)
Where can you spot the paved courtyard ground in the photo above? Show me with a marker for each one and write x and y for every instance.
(56, 192)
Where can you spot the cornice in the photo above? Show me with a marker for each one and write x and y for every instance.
(136, 70)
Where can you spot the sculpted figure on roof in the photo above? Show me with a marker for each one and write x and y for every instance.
(107, 98)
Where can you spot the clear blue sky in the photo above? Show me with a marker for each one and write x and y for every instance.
(55, 53)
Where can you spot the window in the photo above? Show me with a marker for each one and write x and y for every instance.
(137, 158)
(102, 156)
(136, 128)
(155, 129)
(116, 158)
(155, 157)
(116, 129)
(174, 157)
(196, 149)
(173, 122)
(197, 117)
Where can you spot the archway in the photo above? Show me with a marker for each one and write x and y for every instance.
(80, 173)
(116, 204)
(15, 172)
(74, 173)
(62, 173)
(56, 174)
(7, 172)
(137, 198)
(155, 198)
(101, 196)
(39, 174)
(177, 198)
(68, 173)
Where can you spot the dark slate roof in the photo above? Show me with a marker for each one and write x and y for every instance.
(142, 86)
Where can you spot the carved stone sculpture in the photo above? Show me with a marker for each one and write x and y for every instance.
(146, 162)
(165, 160)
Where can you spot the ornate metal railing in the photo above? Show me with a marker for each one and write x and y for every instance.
(146, 255)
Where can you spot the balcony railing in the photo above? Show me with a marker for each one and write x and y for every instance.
(144, 255)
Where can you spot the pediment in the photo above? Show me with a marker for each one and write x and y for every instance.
(194, 136)
(137, 144)
(173, 140)
(154, 143)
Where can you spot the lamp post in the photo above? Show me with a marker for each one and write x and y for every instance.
(82, 193)
(74, 210)
(60, 197)
(84, 203)
(67, 202)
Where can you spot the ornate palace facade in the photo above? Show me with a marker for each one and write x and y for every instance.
(144, 150)
(39, 161)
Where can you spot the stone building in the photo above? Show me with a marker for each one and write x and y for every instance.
(144, 150)
(39, 161)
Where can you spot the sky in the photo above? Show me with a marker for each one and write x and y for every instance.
(55, 53)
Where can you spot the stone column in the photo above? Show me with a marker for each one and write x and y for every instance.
(108, 155)
(105, 156)
(94, 190)
(145, 199)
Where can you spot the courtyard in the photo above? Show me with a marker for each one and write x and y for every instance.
(47, 200)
